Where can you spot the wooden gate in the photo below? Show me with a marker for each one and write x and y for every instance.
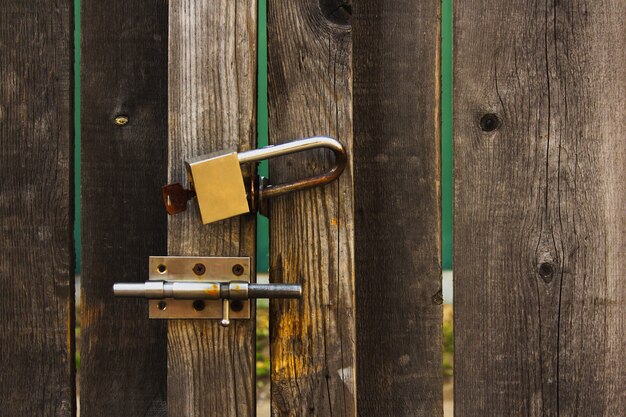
(539, 206)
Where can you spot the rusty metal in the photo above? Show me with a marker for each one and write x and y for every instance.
(268, 191)
(176, 290)
(206, 290)
(174, 286)
(175, 198)
(259, 190)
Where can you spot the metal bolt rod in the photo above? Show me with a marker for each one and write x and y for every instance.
(185, 290)
(274, 290)
(172, 289)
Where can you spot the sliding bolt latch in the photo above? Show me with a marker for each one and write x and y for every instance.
(223, 291)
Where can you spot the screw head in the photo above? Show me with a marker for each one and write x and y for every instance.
(121, 120)
(199, 269)
(162, 305)
(237, 269)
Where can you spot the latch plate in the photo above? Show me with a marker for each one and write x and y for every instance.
(198, 269)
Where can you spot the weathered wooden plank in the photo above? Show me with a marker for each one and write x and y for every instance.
(397, 208)
(124, 72)
(540, 195)
(212, 106)
(311, 236)
(36, 206)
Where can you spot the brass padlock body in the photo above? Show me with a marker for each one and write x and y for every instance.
(218, 182)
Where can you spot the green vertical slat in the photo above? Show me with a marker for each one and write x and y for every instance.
(263, 240)
(77, 133)
(447, 165)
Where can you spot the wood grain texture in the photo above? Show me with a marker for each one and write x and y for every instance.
(539, 208)
(212, 106)
(311, 232)
(124, 72)
(36, 209)
(397, 208)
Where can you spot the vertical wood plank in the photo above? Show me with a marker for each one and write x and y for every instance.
(36, 206)
(397, 208)
(311, 236)
(124, 72)
(540, 228)
(212, 106)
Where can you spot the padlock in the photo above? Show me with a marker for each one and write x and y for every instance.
(217, 183)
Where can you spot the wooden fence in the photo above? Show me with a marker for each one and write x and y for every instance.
(540, 170)
(540, 186)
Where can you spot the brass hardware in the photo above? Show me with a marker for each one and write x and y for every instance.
(121, 120)
(217, 182)
(180, 293)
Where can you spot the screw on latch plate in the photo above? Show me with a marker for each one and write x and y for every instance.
(199, 269)
(202, 288)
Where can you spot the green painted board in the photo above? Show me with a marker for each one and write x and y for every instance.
(447, 166)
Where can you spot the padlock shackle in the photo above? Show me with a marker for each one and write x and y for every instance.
(300, 145)
(267, 191)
